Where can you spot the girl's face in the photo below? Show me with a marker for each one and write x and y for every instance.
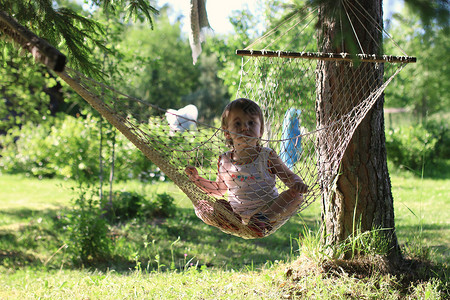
(240, 126)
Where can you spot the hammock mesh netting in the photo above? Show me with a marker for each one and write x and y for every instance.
(280, 86)
(311, 102)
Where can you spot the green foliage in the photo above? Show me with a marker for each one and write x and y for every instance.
(414, 146)
(440, 130)
(87, 240)
(249, 27)
(160, 206)
(66, 26)
(159, 64)
(128, 205)
(62, 146)
(431, 11)
(69, 147)
(122, 205)
(224, 48)
(139, 9)
(211, 95)
(422, 86)
(30, 93)
(22, 93)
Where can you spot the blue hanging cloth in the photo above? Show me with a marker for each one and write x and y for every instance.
(291, 146)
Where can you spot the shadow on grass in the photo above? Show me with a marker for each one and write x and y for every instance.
(414, 229)
(31, 237)
(27, 234)
(16, 259)
(212, 247)
(428, 237)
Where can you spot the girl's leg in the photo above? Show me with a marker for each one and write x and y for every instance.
(285, 205)
(210, 213)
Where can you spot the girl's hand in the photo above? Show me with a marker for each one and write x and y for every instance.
(289, 178)
(191, 172)
(300, 187)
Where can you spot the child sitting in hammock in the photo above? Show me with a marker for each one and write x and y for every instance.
(247, 172)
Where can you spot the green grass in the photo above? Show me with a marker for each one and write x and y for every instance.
(422, 211)
(175, 240)
(192, 284)
(184, 258)
(17, 192)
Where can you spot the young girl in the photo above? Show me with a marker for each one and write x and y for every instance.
(247, 172)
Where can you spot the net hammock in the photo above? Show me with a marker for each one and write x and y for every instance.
(310, 138)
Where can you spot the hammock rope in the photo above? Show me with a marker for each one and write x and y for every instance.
(310, 137)
(265, 80)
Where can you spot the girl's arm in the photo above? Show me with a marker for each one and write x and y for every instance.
(216, 188)
(289, 178)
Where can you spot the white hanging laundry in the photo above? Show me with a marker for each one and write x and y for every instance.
(199, 27)
(182, 119)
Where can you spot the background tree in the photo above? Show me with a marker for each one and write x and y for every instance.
(158, 68)
(22, 89)
(248, 26)
(211, 94)
(423, 88)
(245, 24)
(30, 93)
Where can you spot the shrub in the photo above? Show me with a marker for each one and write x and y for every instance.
(411, 146)
(439, 130)
(62, 146)
(124, 205)
(161, 206)
(69, 147)
(26, 150)
(128, 205)
(87, 230)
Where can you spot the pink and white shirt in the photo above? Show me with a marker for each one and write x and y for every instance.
(250, 186)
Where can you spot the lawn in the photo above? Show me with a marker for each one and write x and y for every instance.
(422, 213)
(183, 258)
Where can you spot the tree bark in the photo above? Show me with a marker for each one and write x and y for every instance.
(361, 197)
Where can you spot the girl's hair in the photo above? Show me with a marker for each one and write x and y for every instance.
(247, 106)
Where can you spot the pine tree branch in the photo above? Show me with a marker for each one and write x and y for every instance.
(66, 29)
(41, 50)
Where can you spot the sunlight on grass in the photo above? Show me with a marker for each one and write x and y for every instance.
(181, 200)
(17, 191)
(182, 257)
(422, 213)
(190, 284)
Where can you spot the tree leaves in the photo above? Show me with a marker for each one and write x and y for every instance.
(71, 30)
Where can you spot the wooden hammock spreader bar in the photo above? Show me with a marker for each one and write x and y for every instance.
(329, 56)
(42, 51)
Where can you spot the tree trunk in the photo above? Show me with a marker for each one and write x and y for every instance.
(361, 197)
